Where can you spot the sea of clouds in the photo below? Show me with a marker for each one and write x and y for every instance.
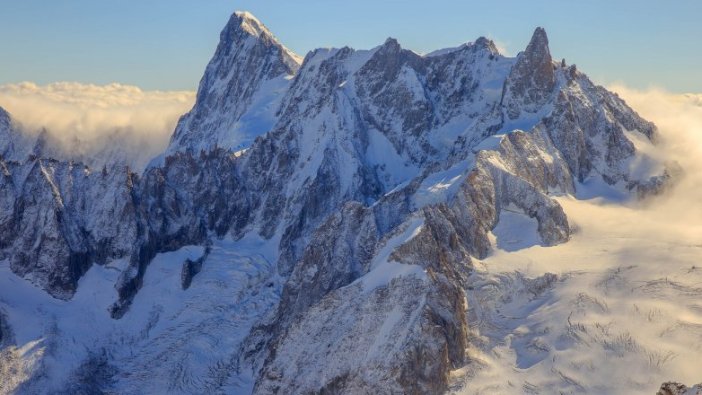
(103, 118)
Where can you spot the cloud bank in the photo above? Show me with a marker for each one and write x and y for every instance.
(679, 120)
(139, 122)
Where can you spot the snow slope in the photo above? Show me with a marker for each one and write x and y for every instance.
(617, 309)
(353, 227)
(173, 341)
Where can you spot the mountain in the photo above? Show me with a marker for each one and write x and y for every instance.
(240, 93)
(312, 227)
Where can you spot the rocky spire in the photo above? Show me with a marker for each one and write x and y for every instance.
(537, 58)
(532, 78)
(246, 75)
(538, 45)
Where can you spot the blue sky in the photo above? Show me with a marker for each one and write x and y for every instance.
(165, 44)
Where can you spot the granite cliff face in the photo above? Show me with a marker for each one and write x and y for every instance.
(532, 80)
(346, 196)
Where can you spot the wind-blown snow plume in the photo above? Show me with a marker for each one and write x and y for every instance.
(140, 122)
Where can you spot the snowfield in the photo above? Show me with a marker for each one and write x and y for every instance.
(617, 309)
(191, 335)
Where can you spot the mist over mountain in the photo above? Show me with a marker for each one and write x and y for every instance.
(97, 124)
(351, 221)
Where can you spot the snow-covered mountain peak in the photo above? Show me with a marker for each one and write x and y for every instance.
(5, 132)
(240, 92)
(250, 23)
(392, 44)
(4, 118)
(371, 184)
(485, 43)
(14, 144)
(482, 43)
(247, 22)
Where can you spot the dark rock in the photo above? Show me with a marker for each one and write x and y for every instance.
(315, 180)
(191, 269)
(672, 388)
(532, 79)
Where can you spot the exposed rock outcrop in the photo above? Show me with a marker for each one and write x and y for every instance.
(532, 80)
(377, 175)
(672, 388)
(59, 218)
(241, 90)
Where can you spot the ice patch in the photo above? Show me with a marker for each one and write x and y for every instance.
(516, 230)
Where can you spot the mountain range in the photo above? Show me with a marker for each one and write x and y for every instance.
(313, 225)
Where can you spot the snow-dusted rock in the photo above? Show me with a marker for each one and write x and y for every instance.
(372, 177)
(60, 217)
(532, 80)
(672, 388)
(240, 93)
(14, 145)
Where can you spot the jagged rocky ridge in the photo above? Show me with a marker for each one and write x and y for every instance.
(377, 174)
(120, 147)
(57, 218)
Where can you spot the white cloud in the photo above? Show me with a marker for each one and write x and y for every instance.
(501, 46)
(144, 120)
(679, 120)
